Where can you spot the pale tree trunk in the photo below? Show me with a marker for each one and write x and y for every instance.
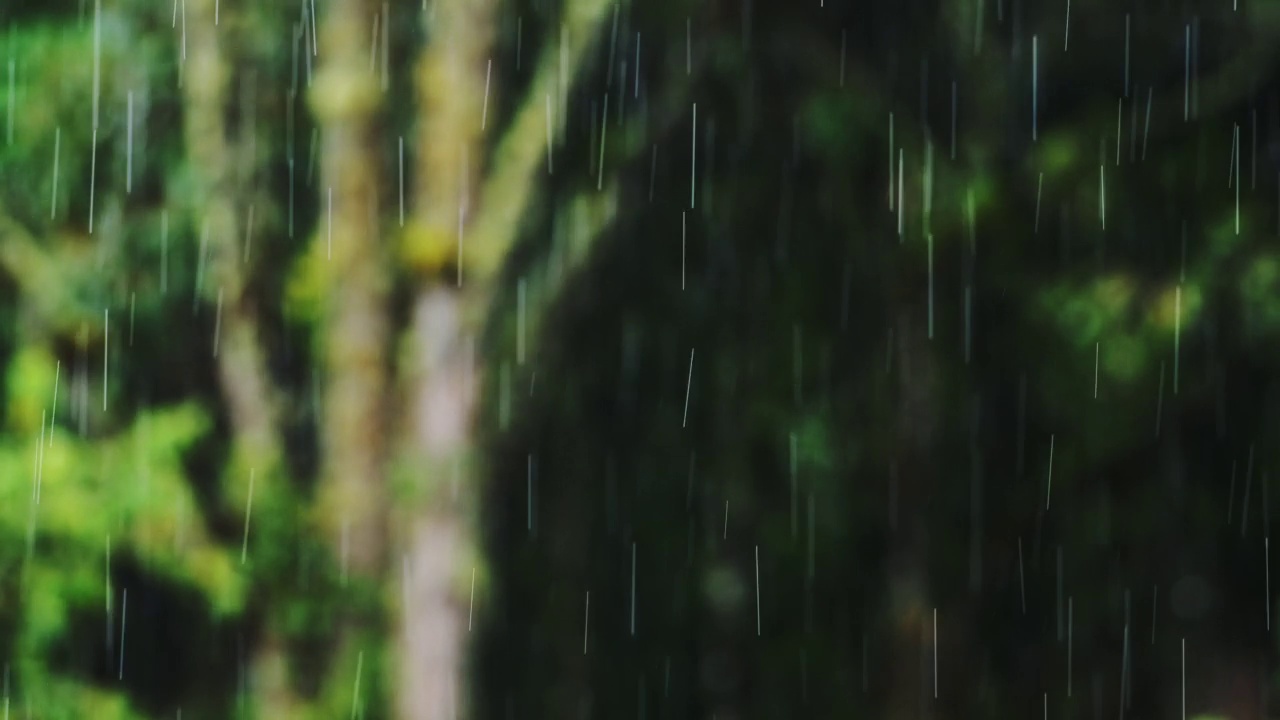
(450, 81)
(242, 369)
(438, 540)
(352, 497)
(472, 215)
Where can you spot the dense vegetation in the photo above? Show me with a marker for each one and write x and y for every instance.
(581, 358)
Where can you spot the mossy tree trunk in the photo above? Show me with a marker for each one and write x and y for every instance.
(352, 507)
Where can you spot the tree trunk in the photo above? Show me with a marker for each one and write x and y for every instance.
(463, 212)
(452, 78)
(438, 534)
(346, 99)
(242, 369)
(352, 497)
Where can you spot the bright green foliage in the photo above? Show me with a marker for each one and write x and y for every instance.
(83, 505)
(103, 261)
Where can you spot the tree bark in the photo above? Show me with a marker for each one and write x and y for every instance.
(438, 535)
(241, 365)
(476, 210)
(352, 507)
(453, 78)
(346, 100)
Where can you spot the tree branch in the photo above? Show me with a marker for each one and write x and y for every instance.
(521, 153)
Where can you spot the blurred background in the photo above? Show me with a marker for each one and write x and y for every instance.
(616, 359)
